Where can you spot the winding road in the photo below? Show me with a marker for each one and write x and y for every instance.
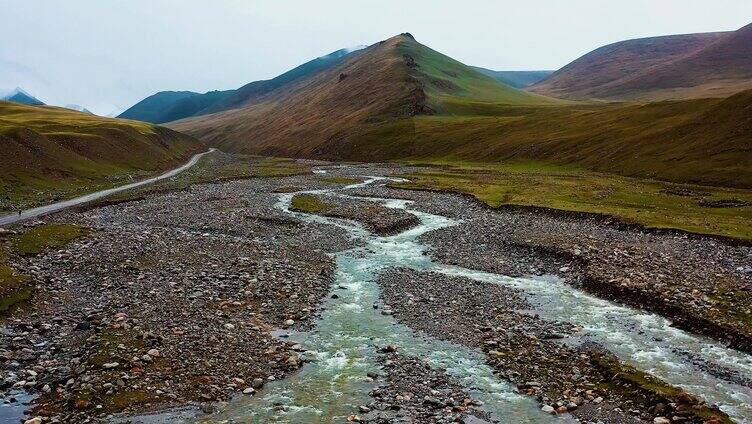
(54, 207)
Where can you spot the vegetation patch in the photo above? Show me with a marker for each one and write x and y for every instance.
(309, 204)
(14, 287)
(653, 204)
(47, 236)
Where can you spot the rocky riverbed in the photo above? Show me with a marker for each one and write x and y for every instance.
(413, 391)
(701, 283)
(526, 350)
(170, 300)
(172, 297)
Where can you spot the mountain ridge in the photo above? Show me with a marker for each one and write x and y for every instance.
(318, 115)
(19, 95)
(715, 64)
(400, 100)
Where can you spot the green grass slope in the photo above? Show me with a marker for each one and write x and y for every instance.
(51, 153)
(703, 141)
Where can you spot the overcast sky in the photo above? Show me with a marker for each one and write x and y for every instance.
(108, 54)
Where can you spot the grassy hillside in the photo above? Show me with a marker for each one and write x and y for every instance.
(51, 153)
(193, 105)
(168, 106)
(582, 78)
(704, 141)
(151, 108)
(516, 79)
(317, 115)
(719, 69)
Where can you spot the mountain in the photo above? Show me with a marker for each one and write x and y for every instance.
(167, 106)
(256, 89)
(78, 108)
(159, 107)
(658, 68)
(516, 79)
(18, 95)
(49, 152)
(325, 113)
(400, 100)
(718, 70)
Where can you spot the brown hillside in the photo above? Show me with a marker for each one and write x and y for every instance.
(704, 141)
(315, 116)
(720, 69)
(583, 78)
(320, 115)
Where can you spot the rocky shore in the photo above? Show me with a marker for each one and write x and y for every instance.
(170, 300)
(703, 284)
(585, 381)
(414, 392)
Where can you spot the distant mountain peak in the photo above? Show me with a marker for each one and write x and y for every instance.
(78, 108)
(19, 95)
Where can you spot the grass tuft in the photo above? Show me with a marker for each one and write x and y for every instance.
(46, 236)
(627, 377)
(309, 204)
